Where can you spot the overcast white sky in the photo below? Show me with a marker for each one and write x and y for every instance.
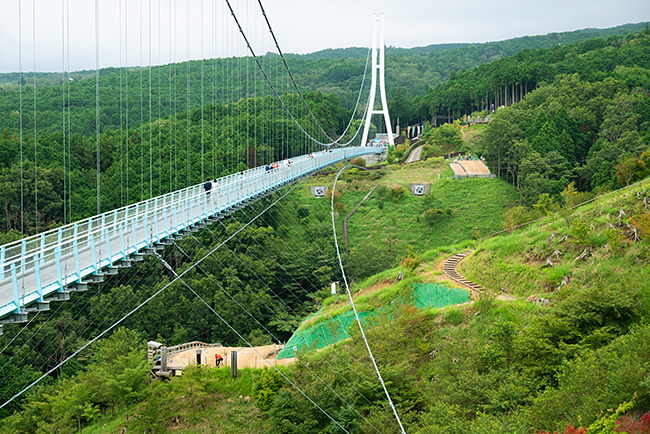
(301, 26)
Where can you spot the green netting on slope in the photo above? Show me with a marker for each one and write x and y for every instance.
(324, 333)
(429, 295)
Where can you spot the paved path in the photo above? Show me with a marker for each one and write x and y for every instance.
(415, 155)
(247, 357)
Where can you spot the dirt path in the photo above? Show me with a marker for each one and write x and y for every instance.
(415, 155)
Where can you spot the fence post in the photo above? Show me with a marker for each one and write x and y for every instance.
(42, 249)
(75, 249)
(233, 363)
(91, 240)
(107, 238)
(22, 255)
(57, 261)
(37, 271)
(14, 281)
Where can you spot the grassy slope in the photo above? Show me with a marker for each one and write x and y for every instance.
(480, 379)
(515, 261)
(516, 366)
(476, 203)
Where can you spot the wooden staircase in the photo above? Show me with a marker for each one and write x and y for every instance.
(450, 269)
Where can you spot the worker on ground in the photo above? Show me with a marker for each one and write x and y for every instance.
(217, 360)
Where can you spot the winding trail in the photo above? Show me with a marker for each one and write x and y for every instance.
(449, 267)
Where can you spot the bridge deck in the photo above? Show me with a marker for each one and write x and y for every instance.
(45, 267)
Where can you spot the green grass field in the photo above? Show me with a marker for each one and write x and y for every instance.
(385, 225)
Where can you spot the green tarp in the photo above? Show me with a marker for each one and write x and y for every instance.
(324, 333)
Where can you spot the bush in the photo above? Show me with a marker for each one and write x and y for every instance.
(454, 316)
(266, 388)
(396, 194)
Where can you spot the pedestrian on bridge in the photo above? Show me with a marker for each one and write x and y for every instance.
(207, 186)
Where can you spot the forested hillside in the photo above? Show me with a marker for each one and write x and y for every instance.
(575, 114)
(149, 159)
(222, 81)
(575, 121)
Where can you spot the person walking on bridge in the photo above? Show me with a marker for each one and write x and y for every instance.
(207, 186)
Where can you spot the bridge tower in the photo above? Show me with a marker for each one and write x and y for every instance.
(377, 64)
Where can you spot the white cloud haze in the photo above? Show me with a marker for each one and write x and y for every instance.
(301, 26)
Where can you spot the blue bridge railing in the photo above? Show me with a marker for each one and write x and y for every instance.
(47, 266)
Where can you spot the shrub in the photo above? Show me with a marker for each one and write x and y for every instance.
(454, 316)
(381, 191)
(396, 193)
(266, 388)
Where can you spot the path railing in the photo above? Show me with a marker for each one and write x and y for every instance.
(47, 266)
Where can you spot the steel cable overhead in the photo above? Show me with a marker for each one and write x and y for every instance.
(309, 295)
(288, 105)
(316, 123)
(283, 320)
(273, 89)
(179, 277)
(77, 305)
(145, 301)
(356, 314)
(275, 337)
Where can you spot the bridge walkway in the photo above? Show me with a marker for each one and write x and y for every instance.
(45, 267)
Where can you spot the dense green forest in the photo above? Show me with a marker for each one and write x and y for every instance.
(575, 122)
(576, 137)
(152, 158)
(124, 94)
(586, 122)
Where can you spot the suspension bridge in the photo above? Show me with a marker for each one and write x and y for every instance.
(49, 265)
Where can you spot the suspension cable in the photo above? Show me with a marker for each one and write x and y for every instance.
(97, 102)
(35, 136)
(271, 333)
(356, 314)
(190, 268)
(20, 115)
(275, 92)
(179, 277)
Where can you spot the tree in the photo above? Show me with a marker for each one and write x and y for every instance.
(546, 205)
(514, 217)
(266, 387)
(629, 169)
(499, 136)
(412, 260)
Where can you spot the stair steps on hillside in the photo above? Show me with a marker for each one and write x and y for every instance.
(450, 269)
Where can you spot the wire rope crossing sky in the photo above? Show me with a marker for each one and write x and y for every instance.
(180, 154)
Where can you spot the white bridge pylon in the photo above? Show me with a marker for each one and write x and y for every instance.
(377, 64)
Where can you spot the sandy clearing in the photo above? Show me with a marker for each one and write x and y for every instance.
(247, 357)
(475, 167)
(457, 168)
